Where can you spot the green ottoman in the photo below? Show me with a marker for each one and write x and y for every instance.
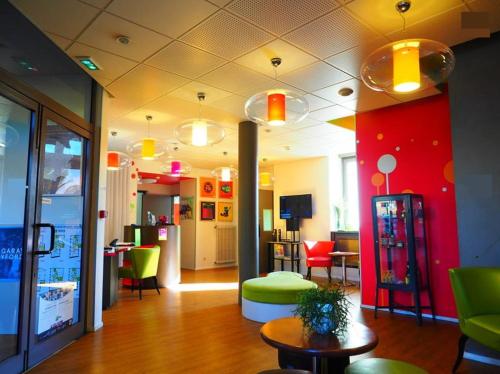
(272, 297)
(382, 366)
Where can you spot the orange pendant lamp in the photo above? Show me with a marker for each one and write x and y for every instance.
(117, 160)
(270, 107)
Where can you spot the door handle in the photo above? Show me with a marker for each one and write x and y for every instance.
(52, 238)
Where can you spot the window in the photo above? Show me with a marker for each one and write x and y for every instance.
(350, 193)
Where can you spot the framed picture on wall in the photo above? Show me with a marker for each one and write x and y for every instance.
(225, 212)
(187, 208)
(207, 211)
(225, 190)
(207, 187)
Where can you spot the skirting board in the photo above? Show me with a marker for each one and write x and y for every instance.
(481, 358)
(407, 313)
(467, 355)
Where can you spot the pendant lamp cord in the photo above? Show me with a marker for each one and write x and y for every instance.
(148, 118)
(404, 21)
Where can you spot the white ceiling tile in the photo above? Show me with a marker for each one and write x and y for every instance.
(490, 6)
(141, 85)
(351, 60)
(260, 59)
(61, 42)
(234, 78)
(189, 92)
(97, 3)
(333, 33)
(382, 15)
(106, 28)
(182, 59)
(315, 76)
(331, 93)
(368, 99)
(220, 3)
(281, 16)
(226, 35)
(331, 112)
(445, 28)
(66, 18)
(172, 17)
(111, 66)
(233, 104)
(316, 102)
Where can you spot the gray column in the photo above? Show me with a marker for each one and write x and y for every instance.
(248, 217)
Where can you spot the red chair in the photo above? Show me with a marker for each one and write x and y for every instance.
(317, 256)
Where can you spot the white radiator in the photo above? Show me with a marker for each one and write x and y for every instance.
(225, 245)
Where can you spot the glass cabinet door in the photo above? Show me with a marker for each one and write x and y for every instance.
(392, 241)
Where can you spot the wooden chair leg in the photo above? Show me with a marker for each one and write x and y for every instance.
(156, 285)
(461, 349)
(308, 276)
(329, 271)
(140, 289)
(132, 286)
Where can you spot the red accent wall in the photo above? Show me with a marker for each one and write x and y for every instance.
(418, 135)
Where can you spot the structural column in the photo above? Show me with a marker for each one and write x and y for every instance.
(248, 218)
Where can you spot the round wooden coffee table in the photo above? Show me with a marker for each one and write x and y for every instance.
(299, 349)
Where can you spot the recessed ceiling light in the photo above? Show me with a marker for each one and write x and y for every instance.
(88, 62)
(123, 39)
(345, 91)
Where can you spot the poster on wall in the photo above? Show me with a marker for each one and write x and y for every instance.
(225, 212)
(187, 208)
(226, 190)
(207, 211)
(11, 252)
(55, 311)
(207, 187)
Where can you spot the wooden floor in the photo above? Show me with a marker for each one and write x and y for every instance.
(204, 332)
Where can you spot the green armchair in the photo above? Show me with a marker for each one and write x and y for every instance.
(477, 296)
(144, 265)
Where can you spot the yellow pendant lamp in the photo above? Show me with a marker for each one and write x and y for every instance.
(409, 65)
(147, 148)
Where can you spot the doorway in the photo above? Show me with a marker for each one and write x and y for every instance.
(43, 202)
(266, 227)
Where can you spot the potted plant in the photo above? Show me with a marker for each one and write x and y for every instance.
(324, 310)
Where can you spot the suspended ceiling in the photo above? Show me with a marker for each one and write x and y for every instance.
(222, 47)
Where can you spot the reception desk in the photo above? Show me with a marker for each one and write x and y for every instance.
(168, 238)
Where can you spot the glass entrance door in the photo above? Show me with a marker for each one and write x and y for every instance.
(17, 121)
(57, 306)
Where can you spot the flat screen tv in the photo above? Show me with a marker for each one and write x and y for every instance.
(296, 206)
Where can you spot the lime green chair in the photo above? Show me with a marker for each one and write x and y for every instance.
(144, 265)
(477, 296)
(382, 366)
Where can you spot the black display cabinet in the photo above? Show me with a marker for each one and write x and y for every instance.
(401, 257)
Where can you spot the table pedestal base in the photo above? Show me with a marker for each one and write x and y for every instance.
(289, 360)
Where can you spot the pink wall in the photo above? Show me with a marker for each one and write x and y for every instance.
(418, 135)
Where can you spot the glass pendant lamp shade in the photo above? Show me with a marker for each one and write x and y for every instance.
(277, 107)
(199, 133)
(225, 173)
(408, 66)
(117, 160)
(176, 168)
(147, 149)
(265, 179)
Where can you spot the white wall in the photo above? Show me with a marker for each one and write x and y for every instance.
(188, 227)
(204, 232)
(321, 177)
